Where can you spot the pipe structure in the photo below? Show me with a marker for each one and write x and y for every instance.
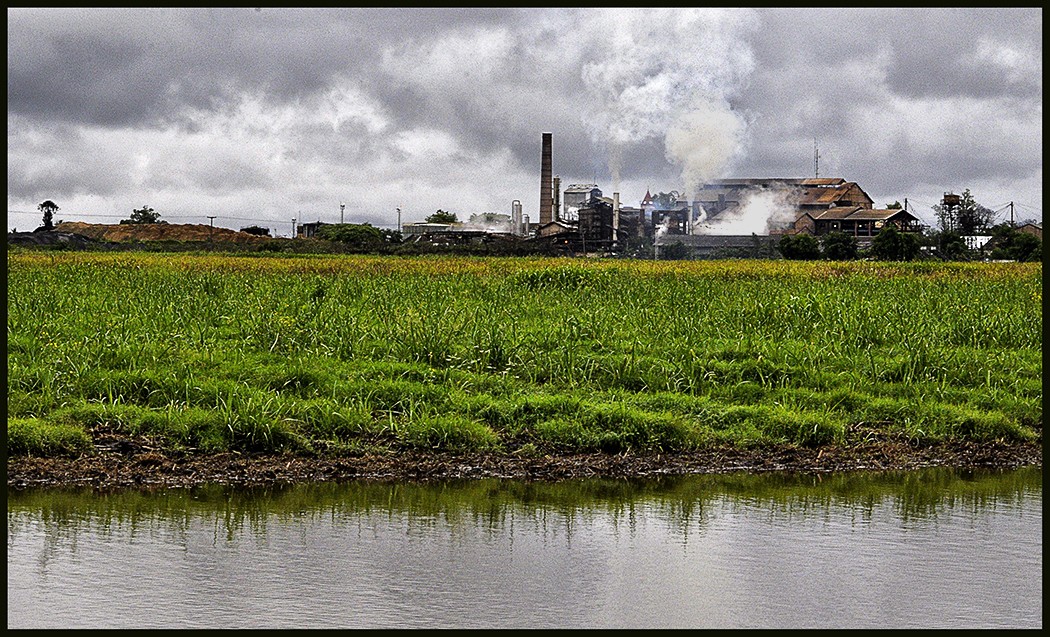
(557, 199)
(515, 218)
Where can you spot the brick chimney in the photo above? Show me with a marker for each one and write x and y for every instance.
(546, 185)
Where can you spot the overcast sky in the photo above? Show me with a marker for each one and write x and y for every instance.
(257, 117)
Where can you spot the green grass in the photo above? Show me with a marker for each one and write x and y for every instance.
(353, 353)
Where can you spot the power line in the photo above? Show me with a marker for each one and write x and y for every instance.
(220, 217)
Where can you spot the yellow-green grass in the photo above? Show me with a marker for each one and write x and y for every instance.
(344, 354)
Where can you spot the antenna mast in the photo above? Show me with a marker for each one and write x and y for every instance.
(816, 160)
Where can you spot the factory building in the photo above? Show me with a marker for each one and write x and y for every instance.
(702, 226)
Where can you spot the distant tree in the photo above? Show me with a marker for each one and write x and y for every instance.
(838, 246)
(973, 217)
(799, 247)
(489, 218)
(258, 231)
(969, 218)
(1011, 244)
(893, 245)
(896, 205)
(675, 252)
(442, 217)
(145, 214)
(952, 247)
(666, 200)
(49, 208)
(359, 236)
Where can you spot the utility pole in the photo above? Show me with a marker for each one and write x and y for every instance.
(211, 219)
(399, 219)
(1012, 215)
(342, 207)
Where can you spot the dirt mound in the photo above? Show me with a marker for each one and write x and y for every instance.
(158, 232)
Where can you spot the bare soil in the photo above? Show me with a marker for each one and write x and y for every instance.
(120, 462)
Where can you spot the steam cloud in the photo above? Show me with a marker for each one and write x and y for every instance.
(671, 73)
(704, 141)
(758, 213)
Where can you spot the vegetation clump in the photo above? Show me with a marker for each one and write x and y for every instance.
(346, 354)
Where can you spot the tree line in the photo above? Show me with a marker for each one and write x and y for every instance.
(946, 242)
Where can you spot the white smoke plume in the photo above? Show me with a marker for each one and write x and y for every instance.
(704, 141)
(664, 69)
(665, 227)
(758, 213)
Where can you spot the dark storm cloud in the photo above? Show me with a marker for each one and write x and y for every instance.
(326, 103)
(131, 67)
(898, 98)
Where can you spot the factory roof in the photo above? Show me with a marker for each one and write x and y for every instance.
(831, 194)
(859, 213)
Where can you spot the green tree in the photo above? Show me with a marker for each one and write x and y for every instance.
(258, 231)
(952, 247)
(675, 251)
(973, 217)
(1015, 246)
(799, 247)
(893, 245)
(968, 218)
(896, 205)
(145, 214)
(838, 246)
(49, 208)
(442, 217)
(360, 236)
(489, 218)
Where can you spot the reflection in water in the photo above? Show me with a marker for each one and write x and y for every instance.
(931, 548)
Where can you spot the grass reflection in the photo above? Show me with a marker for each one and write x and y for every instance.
(494, 505)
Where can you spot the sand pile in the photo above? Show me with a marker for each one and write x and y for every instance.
(158, 232)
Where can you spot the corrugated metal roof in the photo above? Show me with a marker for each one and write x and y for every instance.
(858, 213)
(838, 212)
(829, 195)
(823, 181)
(871, 214)
(767, 181)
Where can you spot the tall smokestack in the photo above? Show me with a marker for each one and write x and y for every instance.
(546, 172)
(616, 217)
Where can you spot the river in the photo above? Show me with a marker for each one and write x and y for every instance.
(935, 548)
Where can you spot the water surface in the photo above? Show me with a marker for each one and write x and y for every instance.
(937, 548)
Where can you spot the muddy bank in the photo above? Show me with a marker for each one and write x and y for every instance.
(139, 468)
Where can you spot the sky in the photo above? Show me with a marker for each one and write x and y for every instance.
(262, 116)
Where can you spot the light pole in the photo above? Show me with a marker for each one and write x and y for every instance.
(342, 207)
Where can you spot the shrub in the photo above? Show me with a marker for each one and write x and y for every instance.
(799, 247)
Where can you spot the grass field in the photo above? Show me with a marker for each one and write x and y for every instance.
(347, 354)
